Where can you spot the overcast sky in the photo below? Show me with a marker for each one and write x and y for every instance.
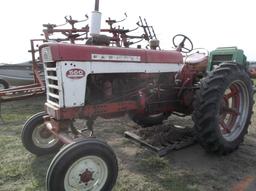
(209, 24)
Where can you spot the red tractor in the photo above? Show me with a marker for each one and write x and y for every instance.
(99, 80)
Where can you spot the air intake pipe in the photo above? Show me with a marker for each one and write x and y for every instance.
(95, 20)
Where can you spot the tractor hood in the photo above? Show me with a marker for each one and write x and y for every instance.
(52, 52)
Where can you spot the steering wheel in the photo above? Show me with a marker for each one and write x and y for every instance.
(181, 46)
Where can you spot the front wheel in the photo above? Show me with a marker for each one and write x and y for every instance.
(3, 85)
(37, 139)
(223, 108)
(88, 164)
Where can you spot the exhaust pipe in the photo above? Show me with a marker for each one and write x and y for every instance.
(95, 20)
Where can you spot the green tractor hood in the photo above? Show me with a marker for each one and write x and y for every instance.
(226, 54)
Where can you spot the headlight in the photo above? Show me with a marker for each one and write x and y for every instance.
(46, 54)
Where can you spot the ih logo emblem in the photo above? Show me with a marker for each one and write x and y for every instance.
(75, 73)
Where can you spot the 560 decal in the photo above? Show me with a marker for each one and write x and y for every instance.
(75, 73)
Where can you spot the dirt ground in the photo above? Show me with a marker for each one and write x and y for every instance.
(189, 169)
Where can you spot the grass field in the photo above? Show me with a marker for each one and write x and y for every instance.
(190, 169)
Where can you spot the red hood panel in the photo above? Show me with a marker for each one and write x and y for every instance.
(71, 52)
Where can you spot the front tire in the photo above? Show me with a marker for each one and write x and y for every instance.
(223, 108)
(37, 139)
(88, 164)
(3, 84)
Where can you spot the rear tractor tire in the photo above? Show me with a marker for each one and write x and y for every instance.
(223, 108)
(88, 164)
(37, 139)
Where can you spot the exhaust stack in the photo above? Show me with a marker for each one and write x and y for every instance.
(95, 20)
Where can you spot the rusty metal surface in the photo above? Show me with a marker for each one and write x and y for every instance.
(91, 110)
(21, 92)
(54, 127)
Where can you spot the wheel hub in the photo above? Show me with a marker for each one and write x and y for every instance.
(223, 107)
(232, 119)
(42, 137)
(86, 176)
(45, 133)
(229, 109)
(87, 173)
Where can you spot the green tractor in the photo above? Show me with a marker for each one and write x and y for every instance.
(226, 54)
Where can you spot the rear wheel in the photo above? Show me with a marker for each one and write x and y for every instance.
(36, 138)
(88, 164)
(223, 108)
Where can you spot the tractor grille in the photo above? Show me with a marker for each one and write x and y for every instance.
(222, 58)
(52, 83)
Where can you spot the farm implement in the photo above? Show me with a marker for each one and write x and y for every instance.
(107, 78)
(21, 92)
(38, 87)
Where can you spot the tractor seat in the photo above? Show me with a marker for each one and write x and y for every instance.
(196, 58)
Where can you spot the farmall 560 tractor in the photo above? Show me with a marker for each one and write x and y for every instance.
(99, 80)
